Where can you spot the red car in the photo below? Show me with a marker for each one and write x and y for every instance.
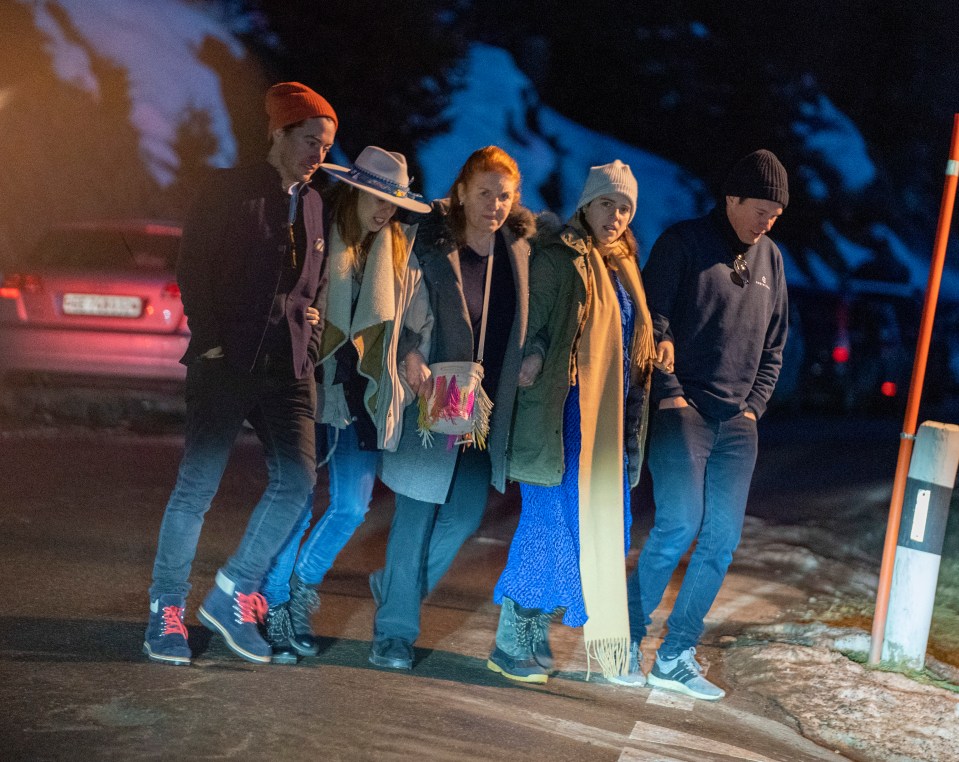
(95, 301)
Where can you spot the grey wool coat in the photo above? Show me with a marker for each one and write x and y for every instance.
(426, 473)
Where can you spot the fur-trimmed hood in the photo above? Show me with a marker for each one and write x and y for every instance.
(551, 230)
(434, 235)
(548, 227)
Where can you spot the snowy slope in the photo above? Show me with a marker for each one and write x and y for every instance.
(157, 41)
(499, 105)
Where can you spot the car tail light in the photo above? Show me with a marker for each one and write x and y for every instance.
(171, 290)
(840, 354)
(15, 283)
(888, 389)
(156, 229)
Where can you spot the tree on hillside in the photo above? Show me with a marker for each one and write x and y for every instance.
(66, 153)
(701, 83)
(388, 70)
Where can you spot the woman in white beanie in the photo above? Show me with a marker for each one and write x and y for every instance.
(577, 437)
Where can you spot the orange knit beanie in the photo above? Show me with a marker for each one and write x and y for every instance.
(290, 102)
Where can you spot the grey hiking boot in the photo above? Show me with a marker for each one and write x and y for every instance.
(304, 602)
(634, 677)
(279, 634)
(683, 674)
(512, 656)
(539, 638)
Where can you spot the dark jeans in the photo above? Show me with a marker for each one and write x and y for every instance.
(424, 540)
(701, 469)
(352, 475)
(218, 399)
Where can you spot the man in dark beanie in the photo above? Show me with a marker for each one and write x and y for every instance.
(717, 295)
(251, 262)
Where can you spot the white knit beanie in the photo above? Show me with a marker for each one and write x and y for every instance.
(610, 178)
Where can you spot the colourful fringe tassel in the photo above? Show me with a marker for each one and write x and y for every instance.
(451, 403)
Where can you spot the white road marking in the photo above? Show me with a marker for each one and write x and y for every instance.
(481, 540)
(647, 733)
(576, 731)
(646, 755)
(671, 699)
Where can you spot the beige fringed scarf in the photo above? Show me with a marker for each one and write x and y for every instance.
(374, 313)
(601, 528)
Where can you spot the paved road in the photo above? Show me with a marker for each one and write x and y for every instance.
(78, 521)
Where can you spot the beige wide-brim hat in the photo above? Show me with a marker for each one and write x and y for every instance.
(382, 173)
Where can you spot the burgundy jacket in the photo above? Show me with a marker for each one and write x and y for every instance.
(234, 244)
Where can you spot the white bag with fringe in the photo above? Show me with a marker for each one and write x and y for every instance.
(457, 405)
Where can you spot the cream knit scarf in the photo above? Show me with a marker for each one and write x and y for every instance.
(374, 312)
(599, 361)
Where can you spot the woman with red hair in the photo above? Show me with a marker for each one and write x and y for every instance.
(476, 238)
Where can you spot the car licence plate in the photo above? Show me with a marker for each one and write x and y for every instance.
(102, 305)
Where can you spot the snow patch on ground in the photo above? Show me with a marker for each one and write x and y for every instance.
(864, 713)
(813, 671)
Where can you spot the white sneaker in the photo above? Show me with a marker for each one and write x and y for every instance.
(684, 675)
(634, 677)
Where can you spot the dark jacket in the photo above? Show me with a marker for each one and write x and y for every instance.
(425, 473)
(234, 245)
(729, 339)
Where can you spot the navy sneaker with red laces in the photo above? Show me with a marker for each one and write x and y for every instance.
(165, 641)
(235, 609)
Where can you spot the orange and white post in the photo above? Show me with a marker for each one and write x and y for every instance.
(908, 435)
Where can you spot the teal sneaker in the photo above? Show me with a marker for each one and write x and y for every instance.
(683, 674)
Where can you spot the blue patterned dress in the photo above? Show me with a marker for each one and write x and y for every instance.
(542, 570)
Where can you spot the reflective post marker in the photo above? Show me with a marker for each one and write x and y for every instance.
(925, 510)
(915, 394)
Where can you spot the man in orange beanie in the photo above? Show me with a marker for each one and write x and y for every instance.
(302, 127)
(252, 261)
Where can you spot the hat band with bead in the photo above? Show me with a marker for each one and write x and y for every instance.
(381, 173)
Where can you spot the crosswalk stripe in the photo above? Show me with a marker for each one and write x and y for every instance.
(670, 699)
(647, 733)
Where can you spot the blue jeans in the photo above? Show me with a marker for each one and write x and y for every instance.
(352, 474)
(218, 399)
(424, 540)
(701, 469)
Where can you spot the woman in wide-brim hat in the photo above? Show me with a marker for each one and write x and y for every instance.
(376, 316)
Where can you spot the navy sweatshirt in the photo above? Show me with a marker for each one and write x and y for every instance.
(728, 338)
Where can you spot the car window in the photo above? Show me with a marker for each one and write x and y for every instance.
(107, 250)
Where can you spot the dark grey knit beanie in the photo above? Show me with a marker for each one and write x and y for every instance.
(758, 175)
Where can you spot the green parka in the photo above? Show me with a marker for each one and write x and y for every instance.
(560, 291)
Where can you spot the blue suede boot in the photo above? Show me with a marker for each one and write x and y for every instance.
(165, 641)
(235, 609)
